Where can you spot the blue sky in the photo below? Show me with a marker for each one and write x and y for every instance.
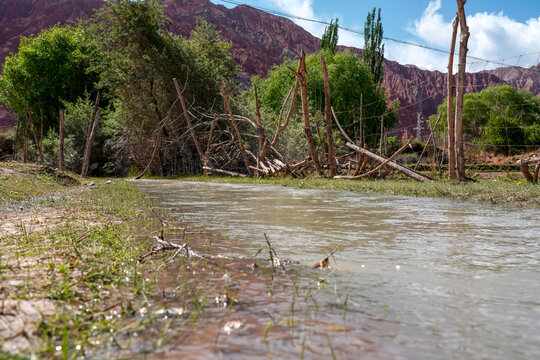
(503, 31)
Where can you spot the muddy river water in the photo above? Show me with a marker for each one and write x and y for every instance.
(413, 278)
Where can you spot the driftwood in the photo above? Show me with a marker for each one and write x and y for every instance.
(524, 165)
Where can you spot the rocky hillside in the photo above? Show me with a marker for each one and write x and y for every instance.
(260, 40)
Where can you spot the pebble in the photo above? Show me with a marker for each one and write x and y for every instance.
(108, 182)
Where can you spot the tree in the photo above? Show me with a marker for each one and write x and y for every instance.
(373, 53)
(47, 70)
(140, 59)
(500, 118)
(330, 37)
(350, 81)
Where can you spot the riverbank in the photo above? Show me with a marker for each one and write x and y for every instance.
(69, 275)
(80, 276)
(507, 189)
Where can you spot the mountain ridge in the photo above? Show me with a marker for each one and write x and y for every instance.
(260, 40)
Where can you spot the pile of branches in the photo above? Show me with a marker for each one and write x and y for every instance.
(219, 141)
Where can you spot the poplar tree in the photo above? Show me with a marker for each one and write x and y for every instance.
(373, 53)
(330, 37)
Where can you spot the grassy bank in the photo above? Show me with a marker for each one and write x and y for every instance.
(68, 266)
(507, 189)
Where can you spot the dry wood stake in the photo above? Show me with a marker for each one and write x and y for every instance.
(464, 38)
(450, 104)
(235, 127)
(328, 118)
(188, 121)
(301, 77)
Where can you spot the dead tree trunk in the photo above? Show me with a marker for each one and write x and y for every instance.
(90, 137)
(328, 118)
(61, 145)
(301, 76)
(35, 136)
(464, 38)
(450, 104)
(188, 121)
(235, 127)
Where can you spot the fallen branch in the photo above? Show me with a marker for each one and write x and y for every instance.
(224, 172)
(384, 163)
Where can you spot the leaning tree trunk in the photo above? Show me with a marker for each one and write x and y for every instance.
(464, 38)
(450, 104)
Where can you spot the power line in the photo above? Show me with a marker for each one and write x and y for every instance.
(355, 31)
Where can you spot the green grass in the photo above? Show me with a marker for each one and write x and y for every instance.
(85, 264)
(19, 182)
(510, 189)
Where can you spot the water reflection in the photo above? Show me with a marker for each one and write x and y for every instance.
(467, 282)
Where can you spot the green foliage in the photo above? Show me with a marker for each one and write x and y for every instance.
(351, 85)
(499, 118)
(330, 37)
(47, 69)
(373, 53)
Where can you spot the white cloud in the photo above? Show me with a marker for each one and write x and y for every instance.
(493, 37)
(301, 8)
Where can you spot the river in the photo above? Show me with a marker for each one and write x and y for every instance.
(423, 278)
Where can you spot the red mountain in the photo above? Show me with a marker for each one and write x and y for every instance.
(260, 40)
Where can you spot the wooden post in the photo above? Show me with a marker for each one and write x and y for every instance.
(235, 127)
(188, 121)
(464, 38)
(328, 118)
(301, 76)
(450, 104)
(61, 154)
(90, 137)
